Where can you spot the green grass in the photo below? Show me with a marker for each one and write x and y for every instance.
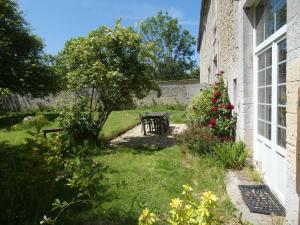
(117, 123)
(139, 178)
(148, 178)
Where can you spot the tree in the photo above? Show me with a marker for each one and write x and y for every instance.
(112, 66)
(173, 47)
(24, 68)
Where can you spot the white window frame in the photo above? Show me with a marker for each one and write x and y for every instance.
(272, 41)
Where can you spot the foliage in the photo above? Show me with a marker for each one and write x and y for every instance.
(24, 68)
(37, 121)
(110, 67)
(77, 121)
(187, 210)
(232, 155)
(50, 168)
(213, 108)
(147, 218)
(199, 110)
(83, 177)
(199, 139)
(173, 47)
(252, 173)
(27, 173)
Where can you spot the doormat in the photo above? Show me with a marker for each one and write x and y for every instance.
(260, 199)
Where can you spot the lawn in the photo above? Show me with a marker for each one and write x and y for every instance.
(140, 178)
(117, 122)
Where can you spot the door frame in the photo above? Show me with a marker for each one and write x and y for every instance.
(272, 41)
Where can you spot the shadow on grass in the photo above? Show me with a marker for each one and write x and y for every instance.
(147, 143)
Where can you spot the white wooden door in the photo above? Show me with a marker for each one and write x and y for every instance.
(270, 135)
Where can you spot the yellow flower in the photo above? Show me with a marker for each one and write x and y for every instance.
(175, 203)
(186, 189)
(209, 197)
(145, 212)
(188, 207)
(147, 218)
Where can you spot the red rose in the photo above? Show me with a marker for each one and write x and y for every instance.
(214, 101)
(214, 109)
(230, 106)
(213, 122)
(217, 94)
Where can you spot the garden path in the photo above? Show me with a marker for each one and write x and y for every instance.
(233, 180)
(135, 138)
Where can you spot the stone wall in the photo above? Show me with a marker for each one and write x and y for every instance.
(173, 92)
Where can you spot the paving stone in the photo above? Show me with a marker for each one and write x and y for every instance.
(135, 137)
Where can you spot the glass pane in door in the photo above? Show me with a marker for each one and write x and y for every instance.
(264, 94)
(281, 95)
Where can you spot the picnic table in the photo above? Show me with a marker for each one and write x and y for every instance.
(157, 122)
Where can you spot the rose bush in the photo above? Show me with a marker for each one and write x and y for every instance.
(212, 108)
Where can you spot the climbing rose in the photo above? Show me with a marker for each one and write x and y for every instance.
(214, 109)
(213, 122)
(214, 101)
(217, 94)
(230, 106)
(221, 105)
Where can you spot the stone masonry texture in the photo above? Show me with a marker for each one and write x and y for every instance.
(227, 44)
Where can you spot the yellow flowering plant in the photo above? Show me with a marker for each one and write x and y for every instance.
(187, 210)
(147, 218)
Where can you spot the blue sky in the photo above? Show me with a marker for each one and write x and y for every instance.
(56, 21)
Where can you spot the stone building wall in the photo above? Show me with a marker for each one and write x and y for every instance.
(225, 46)
(208, 45)
(235, 57)
(293, 83)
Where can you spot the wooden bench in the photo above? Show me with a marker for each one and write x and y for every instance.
(52, 130)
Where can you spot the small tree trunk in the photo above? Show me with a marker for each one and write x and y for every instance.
(91, 104)
(103, 116)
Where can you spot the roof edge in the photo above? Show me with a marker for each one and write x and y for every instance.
(203, 11)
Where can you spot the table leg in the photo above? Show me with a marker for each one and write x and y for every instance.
(160, 125)
(144, 127)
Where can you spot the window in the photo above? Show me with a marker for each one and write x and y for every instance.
(234, 92)
(281, 95)
(264, 84)
(270, 17)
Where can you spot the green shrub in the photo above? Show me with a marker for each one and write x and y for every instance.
(36, 174)
(199, 139)
(37, 121)
(28, 180)
(78, 121)
(199, 110)
(232, 155)
(213, 108)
